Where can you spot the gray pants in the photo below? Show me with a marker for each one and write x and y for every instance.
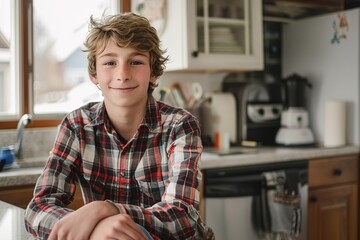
(146, 232)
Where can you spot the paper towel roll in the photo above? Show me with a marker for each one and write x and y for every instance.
(335, 124)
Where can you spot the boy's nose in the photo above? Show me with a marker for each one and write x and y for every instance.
(123, 73)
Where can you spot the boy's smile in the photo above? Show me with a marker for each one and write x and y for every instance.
(123, 90)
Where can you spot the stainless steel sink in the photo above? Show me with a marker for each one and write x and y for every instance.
(31, 162)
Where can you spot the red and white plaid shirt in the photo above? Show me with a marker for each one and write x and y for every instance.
(154, 177)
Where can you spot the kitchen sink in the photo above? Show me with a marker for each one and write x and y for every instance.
(31, 162)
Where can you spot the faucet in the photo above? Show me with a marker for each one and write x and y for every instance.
(24, 120)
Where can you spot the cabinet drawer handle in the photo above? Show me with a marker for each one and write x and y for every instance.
(337, 172)
(313, 199)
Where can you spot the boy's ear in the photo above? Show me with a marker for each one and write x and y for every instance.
(153, 79)
(93, 79)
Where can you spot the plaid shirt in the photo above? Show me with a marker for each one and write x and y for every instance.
(154, 177)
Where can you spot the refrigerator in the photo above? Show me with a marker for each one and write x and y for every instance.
(325, 49)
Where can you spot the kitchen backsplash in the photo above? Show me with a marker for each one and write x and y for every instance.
(37, 142)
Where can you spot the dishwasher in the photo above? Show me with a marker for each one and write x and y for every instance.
(229, 195)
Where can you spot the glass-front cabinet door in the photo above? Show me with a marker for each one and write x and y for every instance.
(212, 35)
(223, 26)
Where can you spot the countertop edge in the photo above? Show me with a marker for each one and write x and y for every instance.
(20, 177)
(272, 155)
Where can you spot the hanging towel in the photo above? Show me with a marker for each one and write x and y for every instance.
(276, 211)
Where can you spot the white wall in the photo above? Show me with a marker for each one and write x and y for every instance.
(333, 69)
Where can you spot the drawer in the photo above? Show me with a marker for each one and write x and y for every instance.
(18, 196)
(329, 171)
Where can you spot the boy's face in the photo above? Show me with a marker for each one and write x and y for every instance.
(124, 76)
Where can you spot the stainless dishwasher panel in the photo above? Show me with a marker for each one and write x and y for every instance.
(230, 218)
(229, 196)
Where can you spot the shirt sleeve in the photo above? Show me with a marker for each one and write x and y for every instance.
(56, 186)
(177, 215)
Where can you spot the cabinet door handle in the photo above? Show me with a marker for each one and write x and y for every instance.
(195, 54)
(313, 199)
(337, 172)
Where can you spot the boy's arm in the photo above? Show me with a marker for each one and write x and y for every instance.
(56, 186)
(47, 216)
(118, 226)
(80, 223)
(176, 216)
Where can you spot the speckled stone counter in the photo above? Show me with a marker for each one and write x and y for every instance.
(271, 155)
(29, 175)
(24, 172)
(20, 177)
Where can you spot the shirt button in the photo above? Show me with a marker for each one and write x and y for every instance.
(122, 174)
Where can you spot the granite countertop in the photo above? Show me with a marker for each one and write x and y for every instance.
(23, 172)
(266, 155)
(30, 169)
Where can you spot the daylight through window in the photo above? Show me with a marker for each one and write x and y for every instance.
(60, 80)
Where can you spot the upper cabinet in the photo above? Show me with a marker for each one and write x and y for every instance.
(288, 10)
(314, 3)
(209, 35)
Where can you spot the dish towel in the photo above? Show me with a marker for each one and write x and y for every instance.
(277, 212)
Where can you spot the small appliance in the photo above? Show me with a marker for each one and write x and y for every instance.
(219, 117)
(259, 108)
(295, 129)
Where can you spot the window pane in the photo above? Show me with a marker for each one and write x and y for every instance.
(9, 101)
(61, 81)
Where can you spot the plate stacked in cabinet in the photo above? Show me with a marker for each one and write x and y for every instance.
(222, 40)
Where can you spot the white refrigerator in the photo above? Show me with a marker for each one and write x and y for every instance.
(326, 50)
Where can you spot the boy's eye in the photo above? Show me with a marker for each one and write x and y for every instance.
(109, 63)
(135, 63)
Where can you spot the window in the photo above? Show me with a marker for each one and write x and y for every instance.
(43, 70)
(9, 101)
(2, 86)
(60, 78)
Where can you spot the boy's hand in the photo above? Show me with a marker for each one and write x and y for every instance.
(78, 225)
(120, 226)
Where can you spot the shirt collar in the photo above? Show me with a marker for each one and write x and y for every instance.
(152, 118)
(97, 115)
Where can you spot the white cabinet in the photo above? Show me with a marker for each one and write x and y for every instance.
(213, 35)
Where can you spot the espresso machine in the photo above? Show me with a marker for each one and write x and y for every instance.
(295, 129)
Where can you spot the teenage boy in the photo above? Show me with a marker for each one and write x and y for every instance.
(136, 159)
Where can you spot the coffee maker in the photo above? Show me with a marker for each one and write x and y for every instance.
(258, 110)
(295, 129)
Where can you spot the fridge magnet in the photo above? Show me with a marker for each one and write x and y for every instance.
(154, 10)
(340, 27)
